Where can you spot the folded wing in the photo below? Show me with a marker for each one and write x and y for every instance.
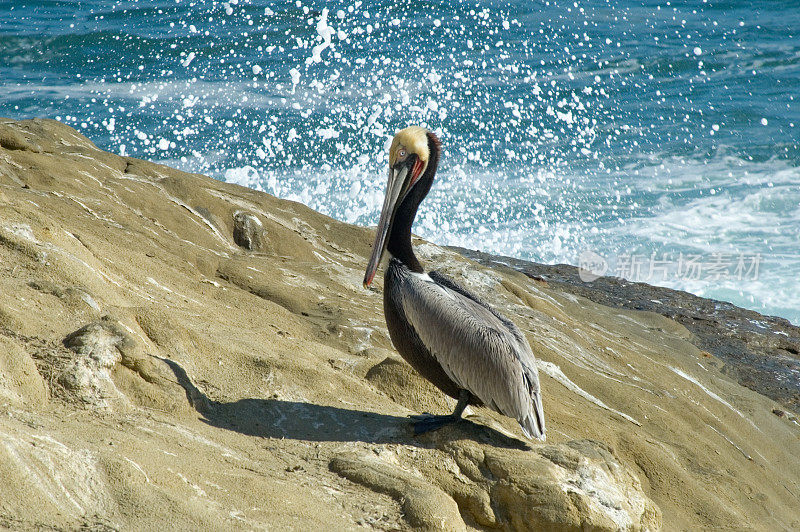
(480, 350)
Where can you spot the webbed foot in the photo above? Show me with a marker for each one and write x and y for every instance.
(428, 422)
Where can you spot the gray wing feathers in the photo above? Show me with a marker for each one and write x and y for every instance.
(479, 350)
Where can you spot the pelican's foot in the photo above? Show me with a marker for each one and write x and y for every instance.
(427, 422)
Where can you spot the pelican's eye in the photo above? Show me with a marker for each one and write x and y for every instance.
(401, 153)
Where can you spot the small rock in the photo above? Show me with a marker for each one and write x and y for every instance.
(98, 347)
(99, 338)
(248, 231)
(778, 412)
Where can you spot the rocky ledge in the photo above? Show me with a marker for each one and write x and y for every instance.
(176, 351)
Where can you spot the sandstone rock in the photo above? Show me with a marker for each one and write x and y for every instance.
(112, 371)
(586, 487)
(572, 486)
(248, 231)
(99, 347)
(425, 506)
(11, 139)
(403, 385)
(20, 381)
(236, 390)
(72, 296)
(46, 481)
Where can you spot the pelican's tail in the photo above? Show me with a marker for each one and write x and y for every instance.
(533, 424)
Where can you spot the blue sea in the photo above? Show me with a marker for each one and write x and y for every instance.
(655, 140)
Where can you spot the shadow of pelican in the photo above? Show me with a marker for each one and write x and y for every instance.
(276, 418)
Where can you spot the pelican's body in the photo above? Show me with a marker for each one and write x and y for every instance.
(451, 337)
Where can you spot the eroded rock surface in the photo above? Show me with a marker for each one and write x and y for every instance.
(167, 359)
(248, 231)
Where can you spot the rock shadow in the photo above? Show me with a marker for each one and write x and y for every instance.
(276, 418)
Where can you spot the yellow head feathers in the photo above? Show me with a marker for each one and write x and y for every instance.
(413, 139)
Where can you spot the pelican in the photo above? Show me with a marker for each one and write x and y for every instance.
(449, 335)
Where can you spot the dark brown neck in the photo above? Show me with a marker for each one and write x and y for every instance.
(399, 244)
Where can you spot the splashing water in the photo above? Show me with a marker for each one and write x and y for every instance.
(652, 131)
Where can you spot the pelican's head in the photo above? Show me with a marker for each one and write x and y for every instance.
(410, 150)
(408, 159)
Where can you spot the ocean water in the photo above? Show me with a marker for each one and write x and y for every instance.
(658, 141)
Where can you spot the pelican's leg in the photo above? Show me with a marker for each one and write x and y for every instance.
(427, 423)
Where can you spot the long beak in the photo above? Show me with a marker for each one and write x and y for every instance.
(395, 190)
